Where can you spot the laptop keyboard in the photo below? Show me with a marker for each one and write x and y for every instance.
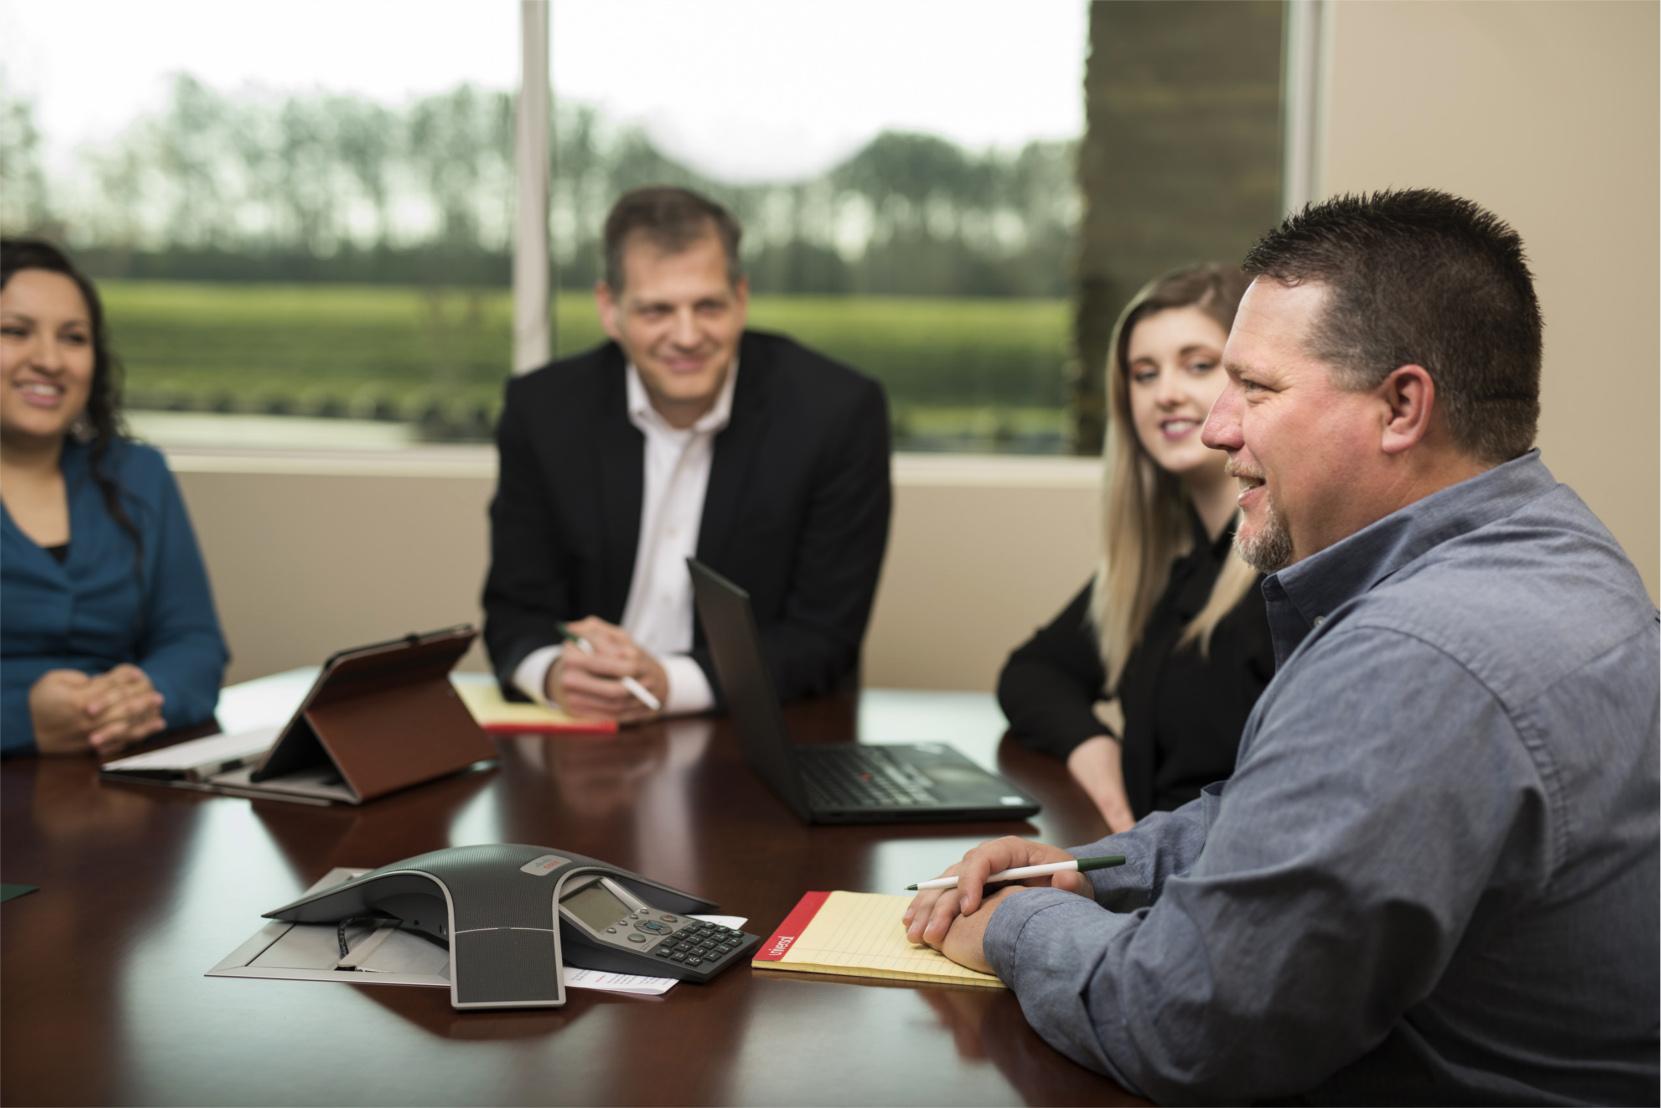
(855, 776)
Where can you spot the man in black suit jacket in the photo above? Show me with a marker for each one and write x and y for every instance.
(786, 450)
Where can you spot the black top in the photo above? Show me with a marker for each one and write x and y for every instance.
(1183, 712)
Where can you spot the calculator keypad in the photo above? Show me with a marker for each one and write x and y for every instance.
(700, 947)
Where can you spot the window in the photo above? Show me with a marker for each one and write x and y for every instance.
(307, 238)
(299, 217)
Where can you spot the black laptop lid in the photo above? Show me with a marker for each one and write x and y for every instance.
(735, 645)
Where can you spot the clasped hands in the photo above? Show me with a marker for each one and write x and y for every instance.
(74, 713)
(954, 921)
(589, 686)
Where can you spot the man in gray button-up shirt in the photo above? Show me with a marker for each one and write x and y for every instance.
(1433, 877)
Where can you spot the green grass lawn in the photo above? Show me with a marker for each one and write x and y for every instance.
(991, 369)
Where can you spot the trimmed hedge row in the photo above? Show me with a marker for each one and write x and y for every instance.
(975, 369)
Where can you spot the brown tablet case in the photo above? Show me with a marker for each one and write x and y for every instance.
(384, 716)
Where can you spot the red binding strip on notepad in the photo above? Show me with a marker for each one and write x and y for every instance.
(794, 924)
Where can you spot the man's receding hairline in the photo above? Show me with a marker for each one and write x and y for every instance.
(664, 246)
(1307, 344)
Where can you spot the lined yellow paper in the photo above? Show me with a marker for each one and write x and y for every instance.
(497, 714)
(860, 935)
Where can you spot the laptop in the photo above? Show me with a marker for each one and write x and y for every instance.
(837, 782)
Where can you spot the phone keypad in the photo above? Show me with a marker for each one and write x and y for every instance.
(684, 948)
(699, 944)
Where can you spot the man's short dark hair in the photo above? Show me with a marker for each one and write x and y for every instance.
(671, 219)
(1419, 277)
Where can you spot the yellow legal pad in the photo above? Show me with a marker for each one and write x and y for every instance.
(858, 935)
(498, 715)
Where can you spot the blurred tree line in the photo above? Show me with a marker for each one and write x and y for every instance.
(263, 186)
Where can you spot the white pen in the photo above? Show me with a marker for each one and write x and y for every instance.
(1020, 872)
(636, 689)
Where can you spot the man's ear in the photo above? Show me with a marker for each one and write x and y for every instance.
(606, 303)
(1409, 396)
(741, 298)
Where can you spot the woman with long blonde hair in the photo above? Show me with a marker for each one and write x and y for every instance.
(1144, 681)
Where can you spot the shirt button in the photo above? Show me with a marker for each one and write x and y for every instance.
(1319, 620)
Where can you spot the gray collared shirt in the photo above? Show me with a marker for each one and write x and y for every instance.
(1433, 876)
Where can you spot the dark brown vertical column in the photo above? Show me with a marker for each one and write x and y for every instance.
(1181, 158)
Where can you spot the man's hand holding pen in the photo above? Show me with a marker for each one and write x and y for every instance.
(954, 920)
(604, 674)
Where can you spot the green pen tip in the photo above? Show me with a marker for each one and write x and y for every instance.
(1101, 863)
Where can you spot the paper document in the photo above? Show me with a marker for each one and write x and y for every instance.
(496, 714)
(859, 935)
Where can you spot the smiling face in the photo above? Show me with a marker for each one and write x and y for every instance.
(679, 318)
(1173, 370)
(1306, 452)
(46, 356)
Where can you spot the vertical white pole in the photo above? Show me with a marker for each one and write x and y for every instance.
(532, 270)
(1302, 88)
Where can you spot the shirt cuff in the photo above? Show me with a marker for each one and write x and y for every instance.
(1003, 930)
(689, 689)
(530, 676)
(1063, 912)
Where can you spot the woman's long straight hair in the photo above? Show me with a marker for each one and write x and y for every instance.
(1145, 509)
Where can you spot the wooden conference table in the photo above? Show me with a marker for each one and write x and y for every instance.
(142, 889)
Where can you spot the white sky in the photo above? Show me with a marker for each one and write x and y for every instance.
(741, 89)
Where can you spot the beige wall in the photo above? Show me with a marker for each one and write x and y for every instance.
(313, 555)
(982, 552)
(1546, 113)
(309, 555)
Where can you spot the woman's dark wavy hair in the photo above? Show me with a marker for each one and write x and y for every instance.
(104, 427)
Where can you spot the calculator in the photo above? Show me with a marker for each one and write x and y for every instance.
(604, 926)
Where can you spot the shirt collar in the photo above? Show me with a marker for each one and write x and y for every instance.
(1302, 595)
(648, 418)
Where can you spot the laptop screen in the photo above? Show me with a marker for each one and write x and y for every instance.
(735, 645)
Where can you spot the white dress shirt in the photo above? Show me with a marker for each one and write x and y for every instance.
(658, 614)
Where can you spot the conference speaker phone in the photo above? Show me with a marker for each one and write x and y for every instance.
(512, 915)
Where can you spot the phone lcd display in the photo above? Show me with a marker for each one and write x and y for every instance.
(595, 906)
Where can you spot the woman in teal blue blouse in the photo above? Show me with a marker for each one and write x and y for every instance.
(107, 625)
